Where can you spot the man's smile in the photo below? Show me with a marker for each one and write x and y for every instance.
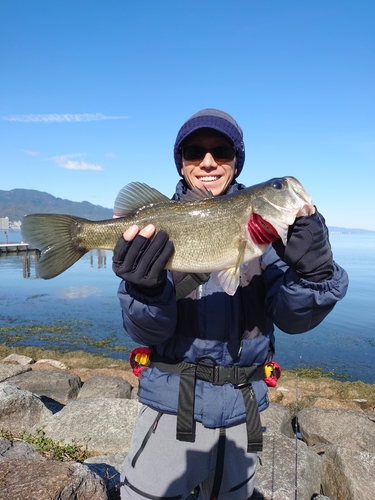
(208, 178)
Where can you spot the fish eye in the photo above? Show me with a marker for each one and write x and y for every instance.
(277, 184)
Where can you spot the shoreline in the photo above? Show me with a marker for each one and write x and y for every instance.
(296, 388)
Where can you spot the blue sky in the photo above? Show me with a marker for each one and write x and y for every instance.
(92, 94)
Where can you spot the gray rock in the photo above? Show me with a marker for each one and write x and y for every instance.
(114, 461)
(14, 450)
(20, 409)
(100, 386)
(8, 370)
(52, 362)
(277, 473)
(18, 359)
(105, 424)
(277, 417)
(348, 428)
(108, 467)
(54, 384)
(24, 479)
(134, 394)
(348, 474)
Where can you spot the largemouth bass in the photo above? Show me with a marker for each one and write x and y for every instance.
(210, 234)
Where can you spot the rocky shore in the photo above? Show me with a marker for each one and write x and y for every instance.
(327, 453)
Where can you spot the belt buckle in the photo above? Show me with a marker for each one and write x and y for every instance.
(226, 374)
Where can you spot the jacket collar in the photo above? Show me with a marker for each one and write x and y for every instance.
(182, 188)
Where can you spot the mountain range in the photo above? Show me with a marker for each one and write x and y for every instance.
(16, 203)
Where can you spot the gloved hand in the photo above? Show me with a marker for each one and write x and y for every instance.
(308, 250)
(141, 262)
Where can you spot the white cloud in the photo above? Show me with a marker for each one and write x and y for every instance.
(28, 152)
(61, 118)
(66, 162)
(111, 156)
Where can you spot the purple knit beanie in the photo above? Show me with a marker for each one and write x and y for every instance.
(217, 120)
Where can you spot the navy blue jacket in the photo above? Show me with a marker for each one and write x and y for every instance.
(234, 330)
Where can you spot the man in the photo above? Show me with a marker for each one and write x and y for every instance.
(204, 388)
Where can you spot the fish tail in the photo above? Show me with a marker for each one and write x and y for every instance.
(57, 237)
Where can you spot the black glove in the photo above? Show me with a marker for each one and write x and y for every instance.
(141, 262)
(308, 250)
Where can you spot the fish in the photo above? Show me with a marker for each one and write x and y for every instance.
(210, 234)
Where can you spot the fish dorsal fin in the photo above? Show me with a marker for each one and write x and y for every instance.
(197, 194)
(135, 196)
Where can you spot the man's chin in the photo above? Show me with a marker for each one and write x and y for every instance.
(216, 187)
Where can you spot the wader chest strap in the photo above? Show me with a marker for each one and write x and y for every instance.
(185, 412)
(189, 283)
(253, 423)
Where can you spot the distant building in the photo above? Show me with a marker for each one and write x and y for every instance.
(4, 223)
(15, 224)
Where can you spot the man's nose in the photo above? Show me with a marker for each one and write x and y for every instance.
(208, 161)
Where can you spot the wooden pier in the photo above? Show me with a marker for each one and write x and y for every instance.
(11, 248)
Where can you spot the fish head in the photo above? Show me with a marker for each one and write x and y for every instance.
(275, 206)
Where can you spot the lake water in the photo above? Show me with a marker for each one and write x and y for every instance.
(79, 310)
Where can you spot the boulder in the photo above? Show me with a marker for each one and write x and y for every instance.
(14, 450)
(9, 370)
(105, 424)
(277, 418)
(20, 409)
(108, 467)
(54, 384)
(18, 359)
(348, 474)
(100, 386)
(348, 428)
(27, 479)
(51, 362)
(283, 463)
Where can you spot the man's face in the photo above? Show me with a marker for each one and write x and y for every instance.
(214, 170)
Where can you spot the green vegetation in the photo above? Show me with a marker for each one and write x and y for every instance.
(54, 450)
(304, 402)
(50, 334)
(314, 373)
(306, 386)
(72, 359)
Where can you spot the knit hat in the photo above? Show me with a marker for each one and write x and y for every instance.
(217, 120)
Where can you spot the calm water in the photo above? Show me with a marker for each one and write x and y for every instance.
(79, 310)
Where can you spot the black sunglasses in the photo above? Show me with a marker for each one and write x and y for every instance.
(197, 153)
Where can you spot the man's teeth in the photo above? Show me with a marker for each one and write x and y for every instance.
(208, 178)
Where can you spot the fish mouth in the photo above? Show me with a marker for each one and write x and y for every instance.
(261, 231)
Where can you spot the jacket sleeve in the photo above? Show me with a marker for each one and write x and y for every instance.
(148, 321)
(294, 304)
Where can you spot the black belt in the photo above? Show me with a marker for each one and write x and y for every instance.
(239, 376)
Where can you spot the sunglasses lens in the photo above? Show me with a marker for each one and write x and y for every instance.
(197, 153)
(223, 153)
(194, 153)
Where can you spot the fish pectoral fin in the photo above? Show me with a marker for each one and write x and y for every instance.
(135, 196)
(241, 254)
(228, 279)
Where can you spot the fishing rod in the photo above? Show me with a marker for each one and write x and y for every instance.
(296, 432)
